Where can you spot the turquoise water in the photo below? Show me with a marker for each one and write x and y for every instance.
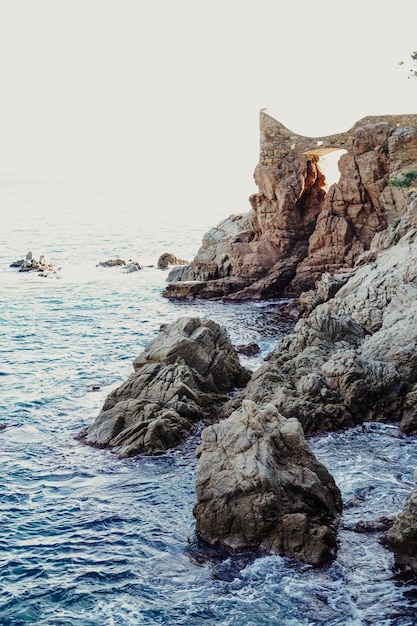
(89, 539)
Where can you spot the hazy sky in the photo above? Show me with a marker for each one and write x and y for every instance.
(134, 84)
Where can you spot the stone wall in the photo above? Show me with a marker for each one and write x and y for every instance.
(276, 140)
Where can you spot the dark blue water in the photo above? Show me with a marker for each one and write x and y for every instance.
(89, 539)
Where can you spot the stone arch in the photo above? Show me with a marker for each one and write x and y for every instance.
(276, 140)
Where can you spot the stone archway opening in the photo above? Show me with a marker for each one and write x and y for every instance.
(328, 163)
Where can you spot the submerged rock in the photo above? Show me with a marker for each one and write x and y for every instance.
(260, 487)
(181, 377)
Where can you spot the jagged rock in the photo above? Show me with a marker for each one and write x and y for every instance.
(324, 289)
(297, 229)
(354, 357)
(402, 536)
(168, 259)
(260, 487)
(181, 377)
(221, 247)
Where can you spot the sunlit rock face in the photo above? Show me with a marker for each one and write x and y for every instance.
(297, 228)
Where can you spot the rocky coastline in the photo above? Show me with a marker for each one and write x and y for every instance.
(349, 257)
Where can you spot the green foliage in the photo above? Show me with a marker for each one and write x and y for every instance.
(412, 73)
(407, 180)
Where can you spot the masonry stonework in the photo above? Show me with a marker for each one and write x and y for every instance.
(276, 140)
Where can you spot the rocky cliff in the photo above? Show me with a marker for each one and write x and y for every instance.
(353, 357)
(297, 228)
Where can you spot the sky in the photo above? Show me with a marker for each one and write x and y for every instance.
(95, 85)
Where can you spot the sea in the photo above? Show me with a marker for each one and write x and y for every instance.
(88, 539)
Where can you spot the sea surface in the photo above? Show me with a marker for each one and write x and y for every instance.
(87, 539)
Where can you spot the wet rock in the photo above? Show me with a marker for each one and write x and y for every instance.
(402, 536)
(260, 487)
(94, 387)
(180, 378)
(373, 526)
(248, 349)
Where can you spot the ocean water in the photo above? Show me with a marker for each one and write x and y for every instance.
(89, 539)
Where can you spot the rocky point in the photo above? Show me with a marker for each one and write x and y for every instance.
(296, 228)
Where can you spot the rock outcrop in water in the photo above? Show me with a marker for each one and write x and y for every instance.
(297, 229)
(260, 487)
(128, 267)
(31, 264)
(181, 377)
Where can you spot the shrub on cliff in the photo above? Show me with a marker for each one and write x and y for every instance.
(407, 180)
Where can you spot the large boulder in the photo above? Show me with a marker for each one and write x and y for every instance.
(260, 487)
(180, 378)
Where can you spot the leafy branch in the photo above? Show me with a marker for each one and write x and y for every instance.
(413, 70)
